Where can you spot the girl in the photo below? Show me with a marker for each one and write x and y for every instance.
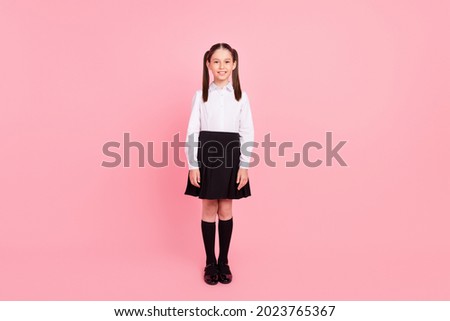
(221, 133)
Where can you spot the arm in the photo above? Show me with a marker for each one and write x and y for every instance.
(191, 147)
(246, 132)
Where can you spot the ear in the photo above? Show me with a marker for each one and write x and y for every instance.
(234, 65)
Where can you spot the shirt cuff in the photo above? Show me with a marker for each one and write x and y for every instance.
(244, 165)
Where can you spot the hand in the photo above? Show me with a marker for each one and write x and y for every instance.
(242, 177)
(194, 176)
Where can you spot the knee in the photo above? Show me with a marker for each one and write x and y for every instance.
(209, 209)
(225, 209)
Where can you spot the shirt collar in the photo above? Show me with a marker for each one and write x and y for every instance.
(213, 86)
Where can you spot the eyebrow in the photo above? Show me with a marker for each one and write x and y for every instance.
(219, 59)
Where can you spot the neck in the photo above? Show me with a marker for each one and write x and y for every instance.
(222, 83)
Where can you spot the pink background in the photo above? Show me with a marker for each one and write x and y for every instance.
(76, 75)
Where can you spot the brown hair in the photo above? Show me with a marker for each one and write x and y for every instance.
(234, 75)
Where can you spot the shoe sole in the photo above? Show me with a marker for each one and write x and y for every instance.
(211, 283)
(224, 282)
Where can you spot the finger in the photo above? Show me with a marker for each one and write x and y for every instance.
(197, 181)
(243, 182)
(193, 182)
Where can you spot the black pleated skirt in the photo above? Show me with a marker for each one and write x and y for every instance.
(218, 155)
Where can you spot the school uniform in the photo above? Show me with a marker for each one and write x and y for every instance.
(219, 131)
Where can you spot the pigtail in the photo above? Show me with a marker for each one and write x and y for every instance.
(235, 76)
(205, 85)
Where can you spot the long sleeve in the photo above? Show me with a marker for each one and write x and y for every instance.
(191, 147)
(246, 132)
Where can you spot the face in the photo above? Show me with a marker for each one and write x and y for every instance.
(221, 64)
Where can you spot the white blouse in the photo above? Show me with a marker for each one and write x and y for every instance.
(222, 112)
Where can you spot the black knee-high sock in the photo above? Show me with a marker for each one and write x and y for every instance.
(225, 230)
(209, 236)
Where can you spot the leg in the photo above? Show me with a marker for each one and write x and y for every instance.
(209, 212)
(225, 231)
(225, 209)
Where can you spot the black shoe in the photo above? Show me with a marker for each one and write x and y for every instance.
(211, 274)
(225, 275)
